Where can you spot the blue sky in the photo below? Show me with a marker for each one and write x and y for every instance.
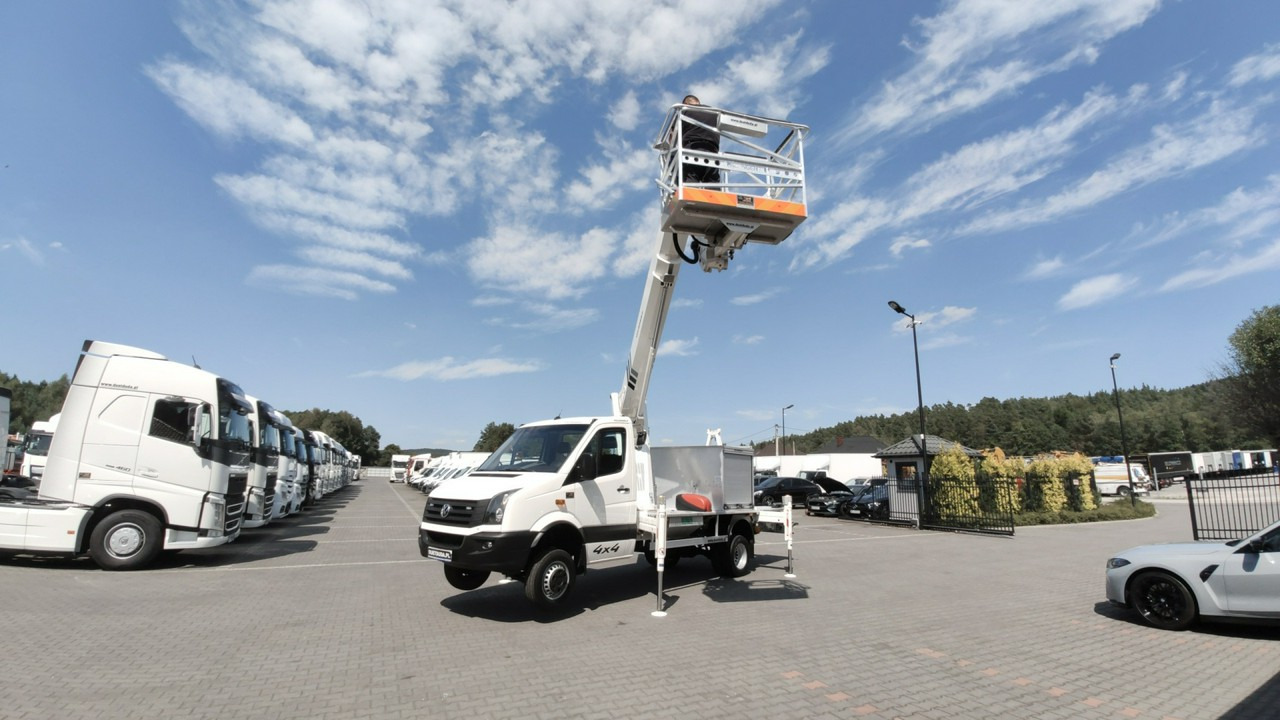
(438, 214)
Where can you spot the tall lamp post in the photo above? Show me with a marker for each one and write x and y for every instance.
(924, 443)
(1124, 446)
(784, 431)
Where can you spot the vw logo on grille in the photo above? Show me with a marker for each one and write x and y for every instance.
(445, 509)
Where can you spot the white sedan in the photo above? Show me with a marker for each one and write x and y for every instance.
(1174, 584)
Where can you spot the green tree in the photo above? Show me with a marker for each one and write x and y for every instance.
(493, 435)
(1252, 374)
(343, 427)
(384, 458)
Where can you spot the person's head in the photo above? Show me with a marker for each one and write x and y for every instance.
(691, 100)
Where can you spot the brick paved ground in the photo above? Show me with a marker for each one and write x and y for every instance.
(334, 615)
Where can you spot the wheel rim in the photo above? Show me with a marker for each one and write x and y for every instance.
(125, 540)
(740, 555)
(1162, 601)
(555, 581)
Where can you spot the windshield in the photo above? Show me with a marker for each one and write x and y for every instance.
(37, 443)
(542, 448)
(269, 437)
(768, 483)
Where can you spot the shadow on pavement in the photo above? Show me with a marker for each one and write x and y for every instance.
(1236, 628)
(1261, 703)
(506, 602)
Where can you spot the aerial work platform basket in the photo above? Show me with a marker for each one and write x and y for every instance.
(731, 178)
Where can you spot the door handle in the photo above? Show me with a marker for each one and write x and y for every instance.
(624, 489)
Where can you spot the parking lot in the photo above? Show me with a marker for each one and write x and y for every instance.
(333, 614)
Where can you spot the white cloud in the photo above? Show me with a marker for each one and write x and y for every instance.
(678, 348)
(767, 80)
(628, 170)
(229, 107)
(1095, 290)
(756, 298)
(448, 368)
(935, 342)
(686, 303)
(1220, 132)
(25, 248)
(1268, 260)
(625, 114)
(1045, 268)
(551, 265)
(302, 280)
(354, 261)
(1242, 213)
(934, 321)
(906, 242)
(748, 339)
(547, 318)
(976, 51)
(1258, 67)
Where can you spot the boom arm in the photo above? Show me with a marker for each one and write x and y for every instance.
(660, 284)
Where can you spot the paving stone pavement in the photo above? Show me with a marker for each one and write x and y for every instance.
(333, 614)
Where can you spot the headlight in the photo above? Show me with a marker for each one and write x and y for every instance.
(1116, 562)
(497, 508)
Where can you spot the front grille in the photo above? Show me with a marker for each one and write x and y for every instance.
(236, 486)
(460, 513)
(269, 495)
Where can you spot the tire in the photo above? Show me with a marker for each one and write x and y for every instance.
(734, 558)
(1123, 491)
(1163, 600)
(551, 579)
(126, 540)
(463, 578)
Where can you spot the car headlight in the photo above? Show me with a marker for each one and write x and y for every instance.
(1116, 562)
(497, 508)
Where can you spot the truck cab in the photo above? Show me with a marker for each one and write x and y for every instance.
(35, 447)
(264, 468)
(149, 454)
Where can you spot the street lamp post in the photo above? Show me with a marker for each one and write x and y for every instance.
(1124, 446)
(784, 431)
(924, 443)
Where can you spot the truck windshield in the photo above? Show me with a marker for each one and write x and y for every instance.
(542, 448)
(37, 443)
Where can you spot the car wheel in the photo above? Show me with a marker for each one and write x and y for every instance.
(1163, 600)
(463, 578)
(551, 579)
(1123, 491)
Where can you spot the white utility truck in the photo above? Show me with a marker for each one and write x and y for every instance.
(149, 455)
(561, 496)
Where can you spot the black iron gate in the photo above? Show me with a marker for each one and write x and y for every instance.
(1233, 504)
(981, 505)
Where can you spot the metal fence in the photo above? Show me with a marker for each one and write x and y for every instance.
(375, 473)
(983, 504)
(1231, 505)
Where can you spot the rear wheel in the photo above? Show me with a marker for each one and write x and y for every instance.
(126, 540)
(1123, 491)
(463, 578)
(1163, 600)
(733, 559)
(551, 579)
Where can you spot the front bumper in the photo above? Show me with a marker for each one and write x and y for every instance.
(506, 553)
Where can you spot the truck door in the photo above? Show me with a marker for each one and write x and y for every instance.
(606, 504)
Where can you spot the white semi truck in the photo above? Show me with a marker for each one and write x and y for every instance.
(561, 496)
(149, 455)
(264, 464)
(35, 447)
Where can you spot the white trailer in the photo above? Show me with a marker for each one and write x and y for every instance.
(561, 496)
(149, 455)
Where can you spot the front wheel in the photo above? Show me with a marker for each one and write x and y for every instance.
(1163, 600)
(126, 540)
(465, 579)
(1123, 491)
(551, 579)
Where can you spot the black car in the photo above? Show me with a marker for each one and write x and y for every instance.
(871, 503)
(771, 491)
(829, 501)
